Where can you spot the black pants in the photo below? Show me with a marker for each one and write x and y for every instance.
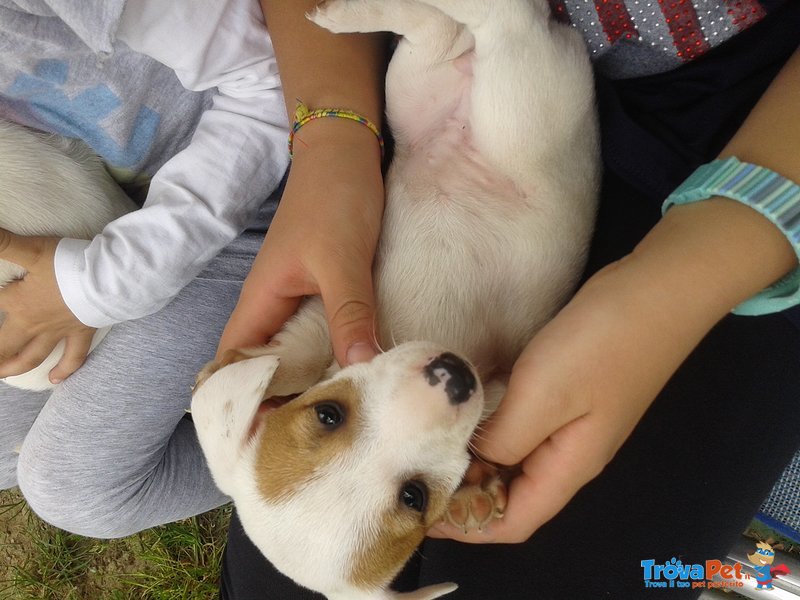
(707, 452)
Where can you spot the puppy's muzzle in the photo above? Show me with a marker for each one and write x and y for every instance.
(459, 380)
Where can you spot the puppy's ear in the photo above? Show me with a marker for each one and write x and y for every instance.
(224, 405)
(228, 358)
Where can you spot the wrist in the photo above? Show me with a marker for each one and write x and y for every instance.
(702, 260)
(305, 116)
(769, 198)
(338, 139)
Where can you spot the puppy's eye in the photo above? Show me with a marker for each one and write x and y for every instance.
(414, 494)
(329, 414)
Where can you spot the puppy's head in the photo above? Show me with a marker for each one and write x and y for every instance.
(338, 486)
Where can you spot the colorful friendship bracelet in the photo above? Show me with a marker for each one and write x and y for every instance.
(303, 115)
(765, 191)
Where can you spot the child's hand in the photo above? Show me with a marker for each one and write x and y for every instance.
(574, 396)
(584, 381)
(36, 318)
(321, 242)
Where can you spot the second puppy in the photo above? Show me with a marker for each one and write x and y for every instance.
(52, 186)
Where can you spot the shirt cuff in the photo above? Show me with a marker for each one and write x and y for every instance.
(70, 268)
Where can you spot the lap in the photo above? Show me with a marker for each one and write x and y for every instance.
(685, 484)
(115, 432)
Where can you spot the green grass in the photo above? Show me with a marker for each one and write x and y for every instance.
(179, 561)
(760, 532)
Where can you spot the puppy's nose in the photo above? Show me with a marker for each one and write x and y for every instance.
(459, 381)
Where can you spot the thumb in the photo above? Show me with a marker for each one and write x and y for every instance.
(350, 311)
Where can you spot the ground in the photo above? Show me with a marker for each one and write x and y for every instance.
(180, 561)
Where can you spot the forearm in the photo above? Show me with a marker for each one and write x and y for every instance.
(324, 69)
(201, 198)
(770, 136)
(197, 203)
(720, 252)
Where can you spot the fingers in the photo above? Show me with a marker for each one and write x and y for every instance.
(36, 318)
(35, 351)
(260, 314)
(530, 411)
(76, 349)
(551, 475)
(350, 310)
(257, 317)
(21, 352)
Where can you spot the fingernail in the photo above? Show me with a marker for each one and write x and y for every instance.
(55, 380)
(360, 352)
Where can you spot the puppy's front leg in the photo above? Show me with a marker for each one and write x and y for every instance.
(304, 349)
(541, 70)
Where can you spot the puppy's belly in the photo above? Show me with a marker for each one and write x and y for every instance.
(469, 258)
(453, 267)
(448, 167)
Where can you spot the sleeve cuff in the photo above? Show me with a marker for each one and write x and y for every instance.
(70, 268)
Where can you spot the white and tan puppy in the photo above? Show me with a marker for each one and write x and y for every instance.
(52, 186)
(490, 202)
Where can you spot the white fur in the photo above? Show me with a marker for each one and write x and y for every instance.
(52, 186)
(490, 203)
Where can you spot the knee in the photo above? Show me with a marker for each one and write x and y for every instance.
(72, 498)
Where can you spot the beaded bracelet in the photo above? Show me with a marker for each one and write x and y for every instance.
(763, 190)
(303, 115)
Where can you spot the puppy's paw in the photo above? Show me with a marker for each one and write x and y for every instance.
(345, 16)
(474, 506)
(328, 15)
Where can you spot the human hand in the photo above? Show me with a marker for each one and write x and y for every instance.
(584, 381)
(574, 396)
(321, 242)
(36, 317)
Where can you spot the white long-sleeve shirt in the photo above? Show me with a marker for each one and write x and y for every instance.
(187, 92)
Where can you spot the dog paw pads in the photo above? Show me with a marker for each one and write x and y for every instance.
(474, 506)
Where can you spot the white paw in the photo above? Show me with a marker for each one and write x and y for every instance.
(330, 15)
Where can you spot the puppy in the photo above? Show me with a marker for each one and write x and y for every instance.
(490, 202)
(52, 186)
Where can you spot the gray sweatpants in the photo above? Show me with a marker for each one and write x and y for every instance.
(110, 452)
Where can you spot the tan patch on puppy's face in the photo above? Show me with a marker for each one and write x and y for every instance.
(400, 530)
(299, 438)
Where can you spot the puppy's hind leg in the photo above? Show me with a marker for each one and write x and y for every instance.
(410, 18)
(530, 67)
(423, 62)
